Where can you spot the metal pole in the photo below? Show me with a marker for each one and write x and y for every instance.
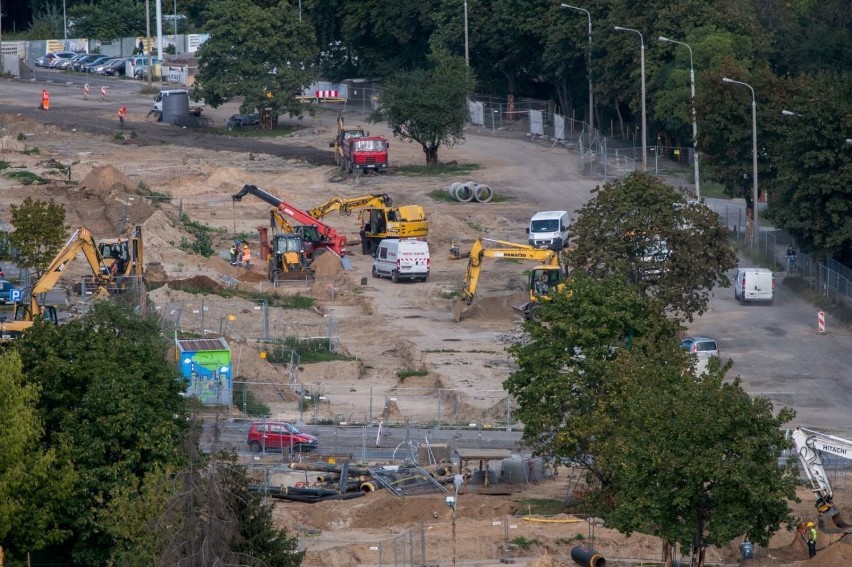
(64, 25)
(754, 190)
(589, 70)
(466, 52)
(642, 69)
(175, 24)
(694, 115)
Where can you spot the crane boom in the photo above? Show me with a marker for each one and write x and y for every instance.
(811, 449)
(345, 206)
(331, 239)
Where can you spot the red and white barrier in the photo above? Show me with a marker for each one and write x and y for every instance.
(821, 322)
(327, 94)
(86, 91)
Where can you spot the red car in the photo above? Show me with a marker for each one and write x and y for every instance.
(265, 435)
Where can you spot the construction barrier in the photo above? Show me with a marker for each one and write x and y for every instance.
(821, 322)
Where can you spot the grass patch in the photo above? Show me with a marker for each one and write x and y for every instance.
(713, 190)
(440, 170)
(569, 540)
(283, 301)
(245, 400)
(523, 543)
(253, 132)
(202, 244)
(33, 151)
(309, 350)
(154, 196)
(4, 164)
(449, 294)
(539, 507)
(27, 178)
(440, 350)
(118, 136)
(409, 372)
(443, 196)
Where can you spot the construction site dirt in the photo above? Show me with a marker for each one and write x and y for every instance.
(401, 340)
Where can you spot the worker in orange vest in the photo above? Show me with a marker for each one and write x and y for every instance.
(246, 256)
(45, 99)
(122, 112)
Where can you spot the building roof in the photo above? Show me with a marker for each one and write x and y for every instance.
(197, 345)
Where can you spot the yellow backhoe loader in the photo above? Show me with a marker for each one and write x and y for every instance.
(103, 281)
(543, 279)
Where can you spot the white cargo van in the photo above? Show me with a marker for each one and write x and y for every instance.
(549, 229)
(754, 284)
(402, 258)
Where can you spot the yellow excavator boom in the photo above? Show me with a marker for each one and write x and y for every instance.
(346, 206)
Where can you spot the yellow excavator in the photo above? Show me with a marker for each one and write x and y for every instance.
(25, 313)
(342, 134)
(379, 219)
(543, 279)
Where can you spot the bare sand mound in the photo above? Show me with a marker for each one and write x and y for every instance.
(229, 178)
(327, 265)
(444, 229)
(495, 307)
(835, 555)
(105, 178)
(549, 561)
(161, 235)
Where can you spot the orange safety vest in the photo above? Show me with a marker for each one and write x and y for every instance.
(45, 99)
(246, 255)
(122, 112)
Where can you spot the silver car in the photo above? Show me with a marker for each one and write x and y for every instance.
(702, 347)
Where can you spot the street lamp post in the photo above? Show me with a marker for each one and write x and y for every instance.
(694, 117)
(64, 26)
(754, 192)
(466, 52)
(644, 122)
(589, 70)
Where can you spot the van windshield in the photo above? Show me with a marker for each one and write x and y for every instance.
(546, 225)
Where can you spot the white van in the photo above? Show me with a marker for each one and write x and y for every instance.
(754, 284)
(549, 229)
(402, 258)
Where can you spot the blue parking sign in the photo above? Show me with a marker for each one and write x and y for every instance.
(15, 295)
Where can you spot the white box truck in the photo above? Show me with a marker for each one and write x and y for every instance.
(402, 259)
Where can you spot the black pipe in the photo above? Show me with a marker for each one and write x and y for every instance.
(587, 557)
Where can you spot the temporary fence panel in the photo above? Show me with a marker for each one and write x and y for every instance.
(476, 112)
(536, 123)
(559, 128)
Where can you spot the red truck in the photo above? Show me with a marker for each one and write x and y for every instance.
(365, 154)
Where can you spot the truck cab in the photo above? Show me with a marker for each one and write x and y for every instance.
(364, 154)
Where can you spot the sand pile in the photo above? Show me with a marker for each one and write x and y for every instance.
(159, 234)
(496, 307)
(105, 179)
(327, 265)
(196, 284)
(445, 228)
(835, 555)
(229, 179)
(549, 561)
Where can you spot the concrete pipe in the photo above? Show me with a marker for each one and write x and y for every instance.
(483, 194)
(464, 192)
(451, 190)
(587, 557)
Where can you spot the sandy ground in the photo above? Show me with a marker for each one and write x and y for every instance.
(387, 327)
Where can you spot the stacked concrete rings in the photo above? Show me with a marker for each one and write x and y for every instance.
(470, 191)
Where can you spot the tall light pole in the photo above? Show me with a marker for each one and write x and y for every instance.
(644, 122)
(754, 193)
(589, 70)
(64, 26)
(466, 52)
(694, 117)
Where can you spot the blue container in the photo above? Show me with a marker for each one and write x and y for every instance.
(746, 550)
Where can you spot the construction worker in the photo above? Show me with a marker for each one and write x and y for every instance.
(45, 99)
(246, 256)
(811, 537)
(235, 253)
(122, 112)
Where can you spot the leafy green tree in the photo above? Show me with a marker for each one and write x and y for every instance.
(641, 229)
(34, 483)
(109, 393)
(106, 20)
(39, 233)
(257, 51)
(691, 460)
(429, 103)
(812, 198)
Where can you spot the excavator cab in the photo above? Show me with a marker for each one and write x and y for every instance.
(544, 280)
(23, 312)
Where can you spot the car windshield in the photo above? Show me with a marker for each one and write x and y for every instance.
(292, 429)
(370, 145)
(706, 345)
(546, 225)
(686, 344)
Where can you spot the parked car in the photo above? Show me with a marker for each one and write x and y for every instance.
(265, 435)
(702, 347)
(99, 68)
(242, 120)
(141, 72)
(115, 68)
(44, 61)
(77, 64)
(65, 64)
(89, 67)
(136, 62)
(60, 57)
(6, 288)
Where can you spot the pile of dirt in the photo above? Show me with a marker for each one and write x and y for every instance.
(154, 273)
(249, 276)
(839, 553)
(229, 179)
(495, 308)
(160, 235)
(327, 265)
(196, 284)
(105, 179)
(548, 561)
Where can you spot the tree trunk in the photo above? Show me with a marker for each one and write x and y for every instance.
(431, 156)
(620, 117)
(667, 554)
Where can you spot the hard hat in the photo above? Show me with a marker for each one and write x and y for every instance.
(810, 524)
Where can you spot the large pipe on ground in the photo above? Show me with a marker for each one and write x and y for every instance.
(587, 557)
(327, 467)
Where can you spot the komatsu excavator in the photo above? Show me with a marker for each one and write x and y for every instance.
(379, 218)
(25, 313)
(813, 449)
(543, 279)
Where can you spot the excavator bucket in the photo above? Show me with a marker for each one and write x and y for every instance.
(458, 309)
(840, 522)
